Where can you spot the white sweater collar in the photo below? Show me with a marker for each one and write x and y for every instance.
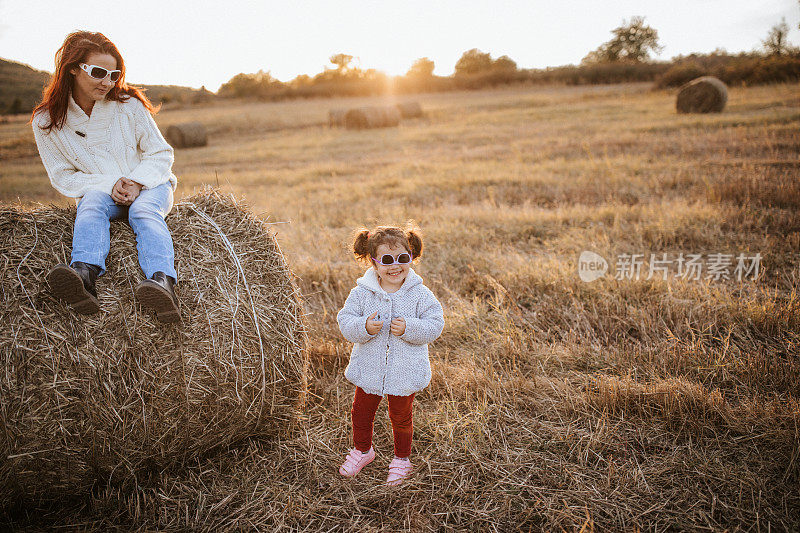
(101, 115)
(370, 281)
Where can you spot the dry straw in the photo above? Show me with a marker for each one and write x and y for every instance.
(116, 397)
(187, 135)
(372, 117)
(410, 110)
(706, 94)
(336, 118)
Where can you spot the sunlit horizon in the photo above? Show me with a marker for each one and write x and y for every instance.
(207, 43)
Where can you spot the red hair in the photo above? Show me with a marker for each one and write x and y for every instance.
(76, 49)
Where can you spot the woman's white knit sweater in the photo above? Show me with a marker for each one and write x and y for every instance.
(119, 139)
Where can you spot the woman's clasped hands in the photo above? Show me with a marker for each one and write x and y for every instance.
(125, 191)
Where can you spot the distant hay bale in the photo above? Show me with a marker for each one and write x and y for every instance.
(410, 109)
(117, 397)
(706, 94)
(187, 135)
(336, 118)
(372, 117)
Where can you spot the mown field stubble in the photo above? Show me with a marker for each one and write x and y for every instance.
(616, 404)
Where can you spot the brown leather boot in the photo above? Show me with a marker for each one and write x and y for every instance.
(75, 285)
(158, 294)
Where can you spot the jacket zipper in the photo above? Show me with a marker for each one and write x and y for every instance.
(385, 370)
(386, 366)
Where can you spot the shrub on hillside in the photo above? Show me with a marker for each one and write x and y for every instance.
(260, 85)
(598, 73)
(741, 69)
(418, 84)
(757, 71)
(680, 74)
(489, 78)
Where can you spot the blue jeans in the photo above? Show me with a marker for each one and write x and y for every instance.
(91, 239)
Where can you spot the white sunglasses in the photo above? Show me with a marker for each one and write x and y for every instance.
(388, 260)
(100, 73)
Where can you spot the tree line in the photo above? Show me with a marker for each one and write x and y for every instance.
(626, 57)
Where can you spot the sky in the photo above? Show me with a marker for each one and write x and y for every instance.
(205, 43)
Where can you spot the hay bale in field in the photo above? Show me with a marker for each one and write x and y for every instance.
(372, 117)
(187, 135)
(705, 94)
(410, 110)
(117, 396)
(336, 118)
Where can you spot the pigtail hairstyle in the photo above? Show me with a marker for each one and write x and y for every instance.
(366, 242)
(361, 245)
(414, 236)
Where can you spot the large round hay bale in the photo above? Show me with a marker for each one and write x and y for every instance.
(187, 135)
(705, 94)
(372, 117)
(336, 118)
(410, 109)
(116, 397)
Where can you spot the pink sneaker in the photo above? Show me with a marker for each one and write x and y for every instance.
(398, 470)
(355, 461)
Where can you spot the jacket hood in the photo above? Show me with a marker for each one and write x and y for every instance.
(370, 281)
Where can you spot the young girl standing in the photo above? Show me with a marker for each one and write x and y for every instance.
(390, 317)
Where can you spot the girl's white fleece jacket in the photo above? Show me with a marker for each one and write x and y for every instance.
(384, 363)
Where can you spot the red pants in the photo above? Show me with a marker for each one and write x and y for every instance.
(364, 408)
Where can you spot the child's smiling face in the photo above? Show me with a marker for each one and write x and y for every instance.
(391, 276)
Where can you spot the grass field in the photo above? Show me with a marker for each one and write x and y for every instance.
(619, 404)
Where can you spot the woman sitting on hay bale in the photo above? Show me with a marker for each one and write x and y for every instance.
(100, 145)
